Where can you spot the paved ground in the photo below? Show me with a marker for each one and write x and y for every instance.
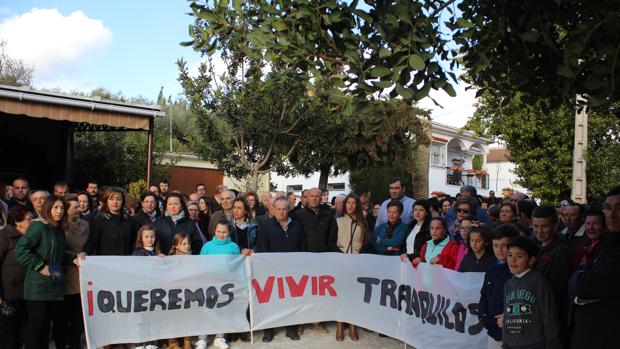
(314, 340)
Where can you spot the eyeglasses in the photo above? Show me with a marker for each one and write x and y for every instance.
(462, 210)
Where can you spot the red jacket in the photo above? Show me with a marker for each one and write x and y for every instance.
(447, 256)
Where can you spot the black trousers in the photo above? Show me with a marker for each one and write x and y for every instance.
(13, 329)
(40, 315)
(71, 323)
(289, 330)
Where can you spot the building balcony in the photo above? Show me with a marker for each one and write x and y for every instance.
(458, 176)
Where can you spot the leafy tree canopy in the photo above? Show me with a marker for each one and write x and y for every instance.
(549, 49)
(362, 48)
(540, 140)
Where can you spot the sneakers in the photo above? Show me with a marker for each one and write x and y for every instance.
(220, 343)
(151, 346)
(201, 344)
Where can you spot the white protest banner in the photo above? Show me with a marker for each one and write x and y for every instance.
(137, 299)
(428, 307)
(133, 300)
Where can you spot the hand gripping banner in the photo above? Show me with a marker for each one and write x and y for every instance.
(132, 300)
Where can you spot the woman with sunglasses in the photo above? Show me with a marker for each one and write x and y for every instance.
(464, 206)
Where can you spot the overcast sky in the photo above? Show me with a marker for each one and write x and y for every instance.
(129, 47)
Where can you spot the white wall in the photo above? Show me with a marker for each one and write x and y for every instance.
(312, 181)
(501, 176)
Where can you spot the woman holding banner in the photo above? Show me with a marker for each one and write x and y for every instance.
(352, 237)
(388, 237)
(42, 251)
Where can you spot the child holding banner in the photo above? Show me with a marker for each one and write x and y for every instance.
(440, 249)
(180, 246)
(220, 244)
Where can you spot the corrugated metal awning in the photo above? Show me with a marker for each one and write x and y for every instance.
(80, 110)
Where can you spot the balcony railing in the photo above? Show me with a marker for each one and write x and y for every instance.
(457, 176)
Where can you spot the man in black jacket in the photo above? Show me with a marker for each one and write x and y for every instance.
(319, 224)
(596, 287)
(320, 230)
(280, 234)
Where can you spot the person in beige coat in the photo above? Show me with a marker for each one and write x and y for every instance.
(76, 232)
(353, 236)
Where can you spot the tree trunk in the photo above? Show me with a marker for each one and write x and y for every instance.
(254, 181)
(325, 169)
(421, 160)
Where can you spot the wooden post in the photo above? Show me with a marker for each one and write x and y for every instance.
(149, 154)
(579, 192)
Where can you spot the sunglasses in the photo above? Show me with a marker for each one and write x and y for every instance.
(462, 210)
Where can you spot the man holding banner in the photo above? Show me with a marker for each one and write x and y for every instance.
(280, 234)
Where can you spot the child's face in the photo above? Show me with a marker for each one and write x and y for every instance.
(148, 238)
(221, 232)
(183, 246)
(464, 229)
(518, 260)
(544, 229)
(437, 230)
(476, 242)
(500, 248)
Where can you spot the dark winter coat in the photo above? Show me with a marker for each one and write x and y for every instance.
(471, 264)
(596, 322)
(166, 228)
(111, 235)
(553, 262)
(320, 229)
(271, 237)
(491, 301)
(142, 218)
(12, 274)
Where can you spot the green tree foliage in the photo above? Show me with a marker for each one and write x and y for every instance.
(250, 123)
(378, 130)
(13, 71)
(375, 178)
(549, 49)
(363, 48)
(540, 140)
(117, 158)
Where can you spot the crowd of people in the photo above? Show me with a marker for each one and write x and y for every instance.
(551, 272)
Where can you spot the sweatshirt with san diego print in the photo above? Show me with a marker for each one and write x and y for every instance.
(530, 314)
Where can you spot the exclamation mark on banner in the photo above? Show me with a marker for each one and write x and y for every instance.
(89, 297)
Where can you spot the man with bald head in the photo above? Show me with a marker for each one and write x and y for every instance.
(21, 193)
(226, 201)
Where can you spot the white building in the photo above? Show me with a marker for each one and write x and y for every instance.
(451, 166)
(454, 154)
(335, 184)
(501, 172)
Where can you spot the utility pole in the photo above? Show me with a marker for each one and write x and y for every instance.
(579, 183)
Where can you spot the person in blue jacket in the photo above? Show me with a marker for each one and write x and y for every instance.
(220, 244)
(388, 238)
(491, 302)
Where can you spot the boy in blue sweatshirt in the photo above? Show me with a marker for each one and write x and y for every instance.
(530, 318)
(491, 304)
(220, 244)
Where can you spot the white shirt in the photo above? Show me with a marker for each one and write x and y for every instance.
(411, 238)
